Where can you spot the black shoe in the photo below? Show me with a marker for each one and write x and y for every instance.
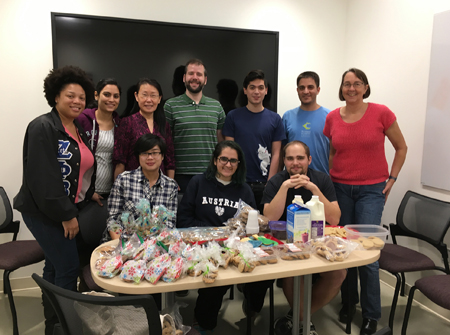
(283, 326)
(368, 327)
(344, 314)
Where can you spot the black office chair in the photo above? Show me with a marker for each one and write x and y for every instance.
(14, 254)
(422, 218)
(80, 313)
(436, 288)
(92, 222)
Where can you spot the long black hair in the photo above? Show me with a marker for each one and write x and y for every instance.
(100, 86)
(158, 116)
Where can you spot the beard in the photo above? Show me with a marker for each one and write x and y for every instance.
(299, 171)
(196, 90)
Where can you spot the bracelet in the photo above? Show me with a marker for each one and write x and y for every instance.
(395, 178)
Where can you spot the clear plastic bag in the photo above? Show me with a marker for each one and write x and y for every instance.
(333, 248)
(176, 319)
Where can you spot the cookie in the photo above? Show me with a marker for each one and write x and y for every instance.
(377, 242)
(367, 244)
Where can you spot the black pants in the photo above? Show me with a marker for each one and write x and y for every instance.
(207, 307)
(258, 190)
(255, 294)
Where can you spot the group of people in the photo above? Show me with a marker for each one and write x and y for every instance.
(75, 157)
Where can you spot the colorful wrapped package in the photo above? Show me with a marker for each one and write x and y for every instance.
(157, 267)
(176, 249)
(151, 250)
(174, 271)
(111, 267)
(133, 271)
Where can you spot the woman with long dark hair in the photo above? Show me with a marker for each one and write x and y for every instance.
(149, 119)
(209, 201)
(100, 124)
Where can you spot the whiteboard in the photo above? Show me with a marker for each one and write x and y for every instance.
(436, 148)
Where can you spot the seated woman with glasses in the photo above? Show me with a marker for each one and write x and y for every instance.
(149, 119)
(209, 201)
(147, 181)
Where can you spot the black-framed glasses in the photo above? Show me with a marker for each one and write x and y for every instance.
(154, 154)
(224, 160)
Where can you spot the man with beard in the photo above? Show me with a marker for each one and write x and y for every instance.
(298, 179)
(305, 123)
(259, 132)
(196, 122)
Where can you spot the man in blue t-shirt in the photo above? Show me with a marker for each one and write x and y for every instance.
(305, 123)
(259, 132)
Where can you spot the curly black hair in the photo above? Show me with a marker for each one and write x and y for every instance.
(57, 79)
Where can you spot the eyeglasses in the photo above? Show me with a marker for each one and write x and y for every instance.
(358, 84)
(146, 96)
(224, 160)
(154, 154)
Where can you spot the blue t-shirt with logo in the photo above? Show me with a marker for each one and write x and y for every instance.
(307, 126)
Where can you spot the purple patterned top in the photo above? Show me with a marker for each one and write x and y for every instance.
(129, 131)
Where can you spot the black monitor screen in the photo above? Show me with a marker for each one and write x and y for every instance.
(131, 49)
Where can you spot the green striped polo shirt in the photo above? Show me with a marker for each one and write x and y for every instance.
(194, 129)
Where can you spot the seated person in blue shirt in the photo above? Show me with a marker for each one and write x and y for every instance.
(209, 201)
(147, 181)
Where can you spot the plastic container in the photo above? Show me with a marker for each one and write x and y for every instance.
(278, 229)
(317, 217)
(371, 237)
(252, 226)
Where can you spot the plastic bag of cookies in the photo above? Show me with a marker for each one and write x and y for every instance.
(295, 251)
(333, 248)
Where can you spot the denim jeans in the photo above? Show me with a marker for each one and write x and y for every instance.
(61, 265)
(362, 204)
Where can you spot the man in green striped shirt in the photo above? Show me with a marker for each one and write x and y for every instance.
(196, 122)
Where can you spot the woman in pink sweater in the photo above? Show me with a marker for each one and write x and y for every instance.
(362, 180)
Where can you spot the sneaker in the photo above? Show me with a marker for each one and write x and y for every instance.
(283, 326)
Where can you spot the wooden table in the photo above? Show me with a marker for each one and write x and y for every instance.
(231, 276)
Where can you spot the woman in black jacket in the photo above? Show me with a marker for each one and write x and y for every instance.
(58, 177)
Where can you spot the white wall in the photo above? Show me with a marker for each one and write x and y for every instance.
(26, 54)
(389, 40)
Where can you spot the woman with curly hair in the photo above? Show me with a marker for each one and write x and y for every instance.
(58, 178)
(149, 119)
